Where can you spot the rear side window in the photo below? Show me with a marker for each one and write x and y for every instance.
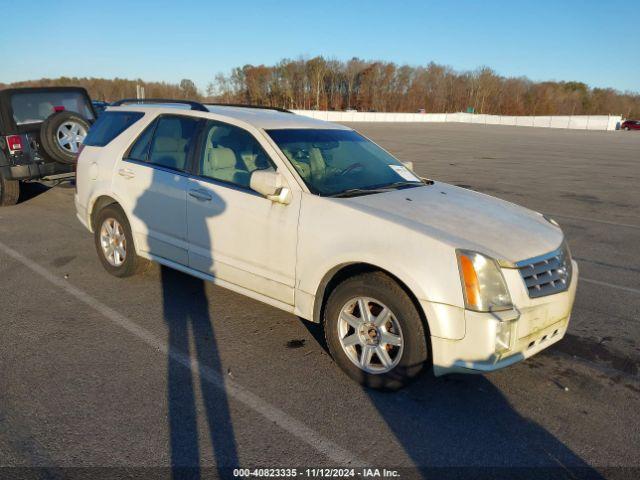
(140, 149)
(109, 125)
(171, 141)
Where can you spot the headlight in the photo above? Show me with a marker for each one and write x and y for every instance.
(483, 285)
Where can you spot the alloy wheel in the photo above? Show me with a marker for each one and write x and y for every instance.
(370, 335)
(113, 242)
(70, 135)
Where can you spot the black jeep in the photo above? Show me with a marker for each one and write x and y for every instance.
(41, 130)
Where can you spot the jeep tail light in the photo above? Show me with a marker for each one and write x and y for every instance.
(14, 142)
(58, 108)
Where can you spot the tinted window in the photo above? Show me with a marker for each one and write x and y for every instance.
(171, 141)
(140, 149)
(230, 154)
(34, 107)
(109, 126)
(334, 161)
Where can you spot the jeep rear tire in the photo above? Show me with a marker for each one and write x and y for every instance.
(61, 135)
(9, 191)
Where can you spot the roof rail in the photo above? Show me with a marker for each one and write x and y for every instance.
(194, 105)
(242, 105)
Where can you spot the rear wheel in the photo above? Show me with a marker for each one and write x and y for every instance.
(374, 332)
(114, 243)
(9, 191)
(627, 128)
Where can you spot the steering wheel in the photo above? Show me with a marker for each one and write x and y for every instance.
(353, 166)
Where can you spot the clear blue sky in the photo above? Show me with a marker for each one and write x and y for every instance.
(595, 41)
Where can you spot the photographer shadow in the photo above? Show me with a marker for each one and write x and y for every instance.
(191, 333)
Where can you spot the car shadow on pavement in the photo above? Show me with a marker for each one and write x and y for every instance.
(462, 426)
(30, 190)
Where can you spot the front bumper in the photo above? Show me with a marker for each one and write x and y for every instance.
(531, 327)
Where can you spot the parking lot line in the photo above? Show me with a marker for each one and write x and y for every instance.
(296, 428)
(611, 285)
(605, 222)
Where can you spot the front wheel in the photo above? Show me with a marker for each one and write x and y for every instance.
(374, 332)
(114, 243)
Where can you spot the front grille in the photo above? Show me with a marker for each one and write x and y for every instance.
(547, 274)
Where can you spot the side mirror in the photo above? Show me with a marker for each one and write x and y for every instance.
(409, 165)
(270, 183)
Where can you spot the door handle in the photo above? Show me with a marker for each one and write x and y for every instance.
(126, 173)
(201, 195)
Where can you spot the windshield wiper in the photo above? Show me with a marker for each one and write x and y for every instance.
(353, 192)
(398, 185)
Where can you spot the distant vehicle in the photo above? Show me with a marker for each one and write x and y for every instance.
(422, 110)
(351, 110)
(41, 130)
(311, 217)
(99, 106)
(630, 125)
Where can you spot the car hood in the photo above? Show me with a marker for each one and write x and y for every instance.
(465, 219)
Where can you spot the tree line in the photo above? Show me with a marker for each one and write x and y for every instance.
(329, 84)
(117, 88)
(323, 84)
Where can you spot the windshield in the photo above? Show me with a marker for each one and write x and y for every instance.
(332, 162)
(34, 107)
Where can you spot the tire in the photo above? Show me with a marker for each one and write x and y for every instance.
(408, 358)
(627, 128)
(61, 127)
(132, 263)
(9, 192)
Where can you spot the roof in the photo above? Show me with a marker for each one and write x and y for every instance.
(258, 117)
(269, 119)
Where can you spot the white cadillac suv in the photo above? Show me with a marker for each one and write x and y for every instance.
(313, 218)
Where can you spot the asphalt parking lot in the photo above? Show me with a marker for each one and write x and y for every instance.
(161, 369)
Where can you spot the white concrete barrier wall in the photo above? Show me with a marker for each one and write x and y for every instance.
(578, 122)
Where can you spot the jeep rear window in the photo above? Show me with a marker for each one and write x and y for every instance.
(34, 107)
(109, 125)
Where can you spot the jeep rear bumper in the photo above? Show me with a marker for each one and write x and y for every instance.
(34, 171)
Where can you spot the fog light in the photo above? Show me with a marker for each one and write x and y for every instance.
(503, 336)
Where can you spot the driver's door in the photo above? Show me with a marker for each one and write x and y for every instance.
(234, 233)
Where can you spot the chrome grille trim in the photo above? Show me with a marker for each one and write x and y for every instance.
(546, 274)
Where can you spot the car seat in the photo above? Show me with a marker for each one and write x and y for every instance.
(169, 152)
(220, 164)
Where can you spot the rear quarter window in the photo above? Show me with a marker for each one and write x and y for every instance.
(109, 125)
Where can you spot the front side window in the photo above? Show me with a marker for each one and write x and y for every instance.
(35, 107)
(341, 162)
(230, 154)
(172, 139)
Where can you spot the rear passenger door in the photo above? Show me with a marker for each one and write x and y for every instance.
(236, 234)
(152, 182)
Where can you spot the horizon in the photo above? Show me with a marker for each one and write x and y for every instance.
(574, 41)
